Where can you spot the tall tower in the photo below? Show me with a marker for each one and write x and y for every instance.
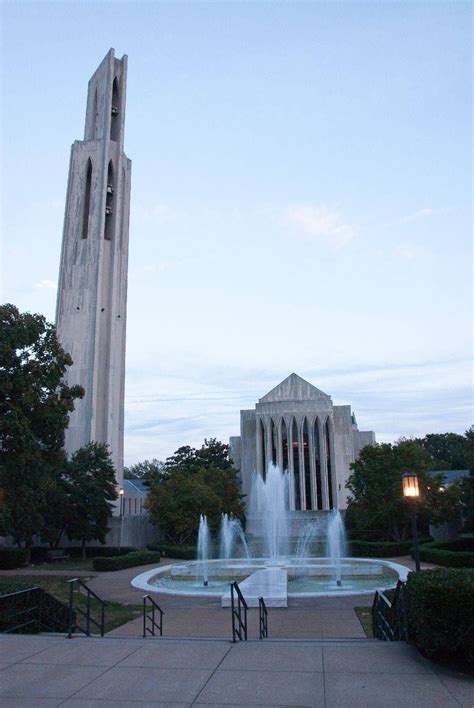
(92, 294)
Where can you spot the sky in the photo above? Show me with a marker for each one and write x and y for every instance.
(301, 201)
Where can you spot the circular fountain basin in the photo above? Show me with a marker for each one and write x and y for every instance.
(308, 578)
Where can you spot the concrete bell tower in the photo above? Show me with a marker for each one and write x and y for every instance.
(92, 294)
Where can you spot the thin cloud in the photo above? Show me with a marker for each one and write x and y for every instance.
(420, 214)
(406, 252)
(49, 284)
(321, 223)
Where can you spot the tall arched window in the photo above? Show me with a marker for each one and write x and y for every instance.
(317, 464)
(284, 442)
(296, 463)
(328, 459)
(262, 442)
(87, 200)
(274, 436)
(307, 469)
(96, 114)
(114, 119)
(109, 210)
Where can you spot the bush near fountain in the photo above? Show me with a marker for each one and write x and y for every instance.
(441, 614)
(458, 553)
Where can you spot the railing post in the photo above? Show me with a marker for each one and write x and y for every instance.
(70, 608)
(88, 615)
(144, 616)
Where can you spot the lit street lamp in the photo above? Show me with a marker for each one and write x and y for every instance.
(411, 492)
(121, 493)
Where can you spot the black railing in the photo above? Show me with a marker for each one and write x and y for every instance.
(92, 602)
(31, 611)
(149, 623)
(262, 618)
(389, 617)
(239, 613)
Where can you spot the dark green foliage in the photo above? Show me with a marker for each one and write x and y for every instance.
(441, 613)
(148, 471)
(179, 552)
(195, 481)
(91, 492)
(13, 558)
(450, 554)
(379, 549)
(127, 561)
(376, 486)
(447, 450)
(34, 409)
(7, 588)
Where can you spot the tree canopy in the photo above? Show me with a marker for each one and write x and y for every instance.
(447, 450)
(35, 404)
(194, 482)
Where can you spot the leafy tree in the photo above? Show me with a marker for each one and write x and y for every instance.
(447, 450)
(194, 482)
(91, 491)
(147, 471)
(376, 487)
(35, 404)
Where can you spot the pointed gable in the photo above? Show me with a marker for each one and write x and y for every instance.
(294, 388)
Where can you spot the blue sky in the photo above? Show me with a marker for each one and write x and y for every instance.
(301, 201)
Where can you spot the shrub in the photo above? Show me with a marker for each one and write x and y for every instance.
(13, 557)
(441, 613)
(379, 549)
(127, 561)
(450, 554)
(178, 552)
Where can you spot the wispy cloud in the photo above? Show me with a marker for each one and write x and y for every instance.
(321, 223)
(49, 284)
(405, 251)
(420, 214)
(158, 214)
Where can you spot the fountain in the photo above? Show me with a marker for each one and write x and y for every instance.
(265, 565)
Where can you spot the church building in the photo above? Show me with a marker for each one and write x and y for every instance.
(297, 427)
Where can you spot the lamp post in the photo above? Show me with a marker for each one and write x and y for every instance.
(411, 492)
(121, 493)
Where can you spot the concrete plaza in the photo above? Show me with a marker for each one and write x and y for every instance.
(85, 672)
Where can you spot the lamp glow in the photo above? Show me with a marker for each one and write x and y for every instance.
(411, 489)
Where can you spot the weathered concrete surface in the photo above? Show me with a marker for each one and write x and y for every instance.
(53, 671)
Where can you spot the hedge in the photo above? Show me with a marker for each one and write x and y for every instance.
(379, 549)
(127, 561)
(441, 613)
(13, 557)
(450, 554)
(178, 552)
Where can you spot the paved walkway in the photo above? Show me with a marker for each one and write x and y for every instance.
(85, 673)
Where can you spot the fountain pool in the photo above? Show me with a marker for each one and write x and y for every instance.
(263, 563)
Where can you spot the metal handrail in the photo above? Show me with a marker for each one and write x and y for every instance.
(239, 625)
(151, 617)
(32, 610)
(390, 618)
(262, 618)
(73, 611)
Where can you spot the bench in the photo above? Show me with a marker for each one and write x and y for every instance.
(57, 554)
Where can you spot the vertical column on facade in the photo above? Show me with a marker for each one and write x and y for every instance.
(332, 458)
(279, 445)
(302, 468)
(259, 448)
(312, 466)
(291, 472)
(269, 443)
(324, 465)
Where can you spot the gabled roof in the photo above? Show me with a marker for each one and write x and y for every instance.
(294, 388)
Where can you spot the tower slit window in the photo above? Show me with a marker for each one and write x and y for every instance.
(264, 459)
(109, 210)
(284, 442)
(114, 118)
(274, 434)
(87, 200)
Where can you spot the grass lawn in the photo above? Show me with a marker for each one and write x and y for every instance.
(115, 613)
(71, 564)
(365, 618)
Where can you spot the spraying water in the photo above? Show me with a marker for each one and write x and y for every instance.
(204, 542)
(269, 512)
(336, 543)
(231, 531)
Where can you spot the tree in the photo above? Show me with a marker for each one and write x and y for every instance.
(147, 471)
(447, 450)
(375, 484)
(35, 404)
(91, 491)
(194, 482)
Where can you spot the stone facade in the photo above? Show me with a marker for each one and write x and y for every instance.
(297, 427)
(92, 293)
